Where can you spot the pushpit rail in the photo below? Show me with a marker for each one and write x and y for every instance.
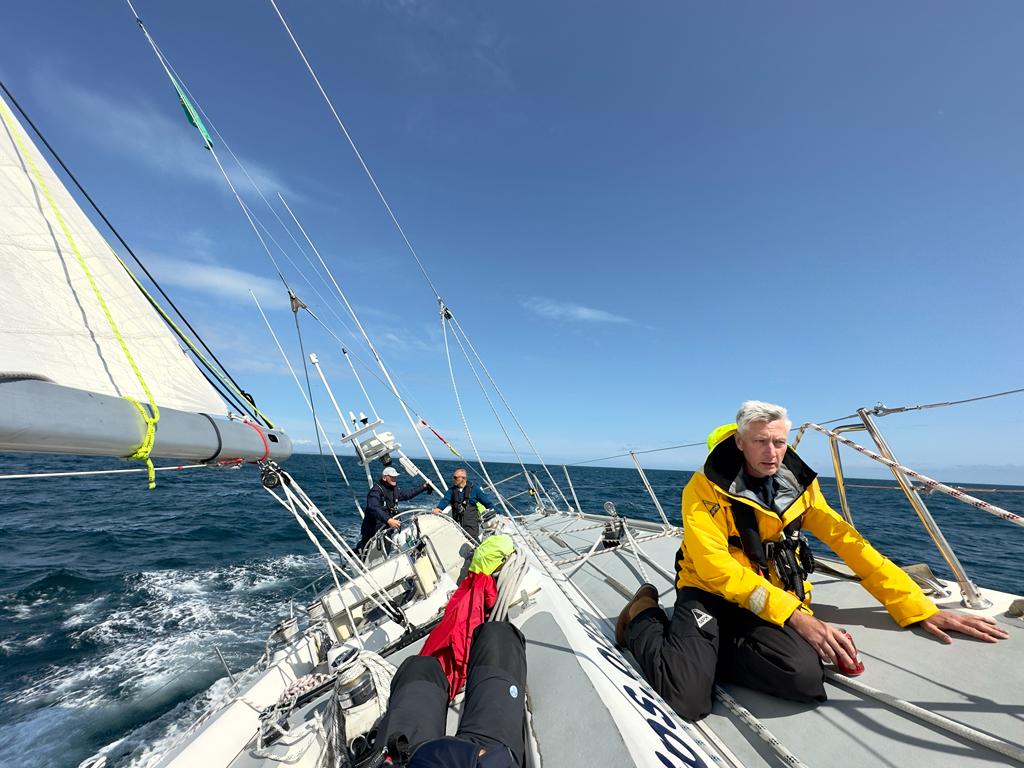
(971, 595)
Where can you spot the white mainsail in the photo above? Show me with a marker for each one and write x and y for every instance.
(53, 326)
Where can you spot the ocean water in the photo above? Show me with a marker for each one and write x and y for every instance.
(114, 598)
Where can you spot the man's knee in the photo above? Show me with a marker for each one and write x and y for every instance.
(679, 659)
(694, 700)
(807, 680)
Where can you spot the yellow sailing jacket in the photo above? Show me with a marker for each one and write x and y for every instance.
(707, 561)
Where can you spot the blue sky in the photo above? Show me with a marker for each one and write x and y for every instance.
(641, 213)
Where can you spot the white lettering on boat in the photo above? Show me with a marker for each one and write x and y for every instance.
(643, 697)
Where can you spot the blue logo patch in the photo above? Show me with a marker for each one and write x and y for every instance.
(513, 691)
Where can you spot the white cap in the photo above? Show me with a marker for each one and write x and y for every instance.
(389, 472)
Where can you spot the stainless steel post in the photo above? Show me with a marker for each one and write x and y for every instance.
(571, 489)
(226, 667)
(972, 598)
(837, 463)
(650, 490)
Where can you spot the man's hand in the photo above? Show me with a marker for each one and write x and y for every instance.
(829, 643)
(393, 523)
(980, 627)
(436, 510)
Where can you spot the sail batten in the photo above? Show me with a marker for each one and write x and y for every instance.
(53, 324)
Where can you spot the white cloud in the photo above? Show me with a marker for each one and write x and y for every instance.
(219, 282)
(141, 130)
(565, 310)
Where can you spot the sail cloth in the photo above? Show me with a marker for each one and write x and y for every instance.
(51, 323)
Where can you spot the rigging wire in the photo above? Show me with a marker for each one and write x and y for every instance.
(355, 149)
(194, 118)
(364, 340)
(372, 348)
(317, 422)
(882, 410)
(83, 473)
(240, 402)
(627, 453)
(405, 238)
(369, 369)
(508, 407)
(312, 403)
(462, 415)
(878, 410)
(273, 211)
(494, 411)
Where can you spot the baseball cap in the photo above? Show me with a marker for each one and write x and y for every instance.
(389, 472)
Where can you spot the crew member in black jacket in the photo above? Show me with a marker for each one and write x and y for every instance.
(382, 505)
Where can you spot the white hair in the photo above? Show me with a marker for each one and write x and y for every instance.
(754, 411)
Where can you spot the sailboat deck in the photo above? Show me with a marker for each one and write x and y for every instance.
(975, 683)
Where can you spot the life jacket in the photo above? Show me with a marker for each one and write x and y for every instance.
(460, 503)
(791, 554)
(389, 498)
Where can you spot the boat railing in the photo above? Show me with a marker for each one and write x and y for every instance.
(971, 595)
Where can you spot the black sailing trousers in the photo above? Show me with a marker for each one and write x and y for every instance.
(709, 640)
(493, 716)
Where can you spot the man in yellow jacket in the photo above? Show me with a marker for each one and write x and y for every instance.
(742, 608)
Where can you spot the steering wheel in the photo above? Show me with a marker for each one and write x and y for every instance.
(382, 538)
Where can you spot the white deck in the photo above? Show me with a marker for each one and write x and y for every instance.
(975, 683)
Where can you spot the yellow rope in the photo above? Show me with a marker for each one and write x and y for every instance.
(143, 451)
(184, 337)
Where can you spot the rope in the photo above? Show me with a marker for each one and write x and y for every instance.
(589, 614)
(958, 729)
(932, 484)
(751, 721)
(636, 552)
(142, 453)
(511, 576)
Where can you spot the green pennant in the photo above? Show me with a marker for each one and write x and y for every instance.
(191, 113)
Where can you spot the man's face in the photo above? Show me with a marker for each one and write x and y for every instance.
(459, 478)
(763, 446)
(390, 480)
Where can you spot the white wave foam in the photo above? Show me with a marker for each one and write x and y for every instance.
(155, 646)
(11, 646)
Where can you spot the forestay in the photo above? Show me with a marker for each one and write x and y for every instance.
(54, 326)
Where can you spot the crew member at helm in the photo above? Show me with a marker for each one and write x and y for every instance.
(465, 503)
(742, 610)
(382, 505)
